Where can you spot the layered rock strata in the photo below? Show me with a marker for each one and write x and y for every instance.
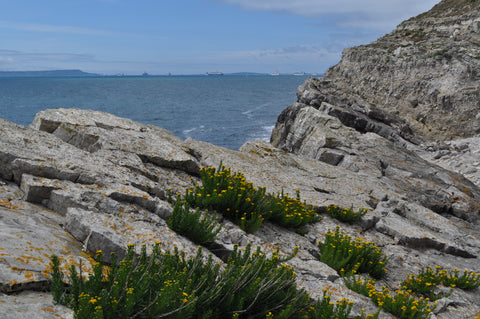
(421, 79)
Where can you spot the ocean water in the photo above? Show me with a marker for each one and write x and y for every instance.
(226, 110)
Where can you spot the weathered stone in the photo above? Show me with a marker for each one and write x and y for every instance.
(32, 304)
(371, 155)
(107, 132)
(420, 80)
(109, 192)
(35, 189)
(30, 235)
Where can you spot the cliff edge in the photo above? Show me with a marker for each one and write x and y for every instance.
(422, 78)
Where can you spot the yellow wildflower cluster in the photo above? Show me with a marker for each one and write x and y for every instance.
(238, 200)
(401, 303)
(349, 256)
(428, 279)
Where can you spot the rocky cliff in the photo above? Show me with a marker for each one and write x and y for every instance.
(422, 78)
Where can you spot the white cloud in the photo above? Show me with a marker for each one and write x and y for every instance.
(366, 14)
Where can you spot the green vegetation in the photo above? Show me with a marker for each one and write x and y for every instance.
(428, 279)
(347, 215)
(468, 280)
(170, 285)
(416, 298)
(239, 201)
(200, 228)
(401, 303)
(349, 256)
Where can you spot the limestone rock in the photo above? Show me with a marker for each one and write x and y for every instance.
(421, 79)
(311, 133)
(32, 304)
(73, 187)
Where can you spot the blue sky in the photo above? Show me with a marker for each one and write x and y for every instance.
(191, 36)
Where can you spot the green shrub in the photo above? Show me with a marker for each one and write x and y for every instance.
(239, 201)
(428, 279)
(230, 195)
(200, 228)
(400, 303)
(468, 280)
(325, 308)
(347, 215)
(348, 256)
(289, 212)
(425, 282)
(170, 285)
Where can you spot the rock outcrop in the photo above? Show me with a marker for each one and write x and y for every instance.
(71, 186)
(421, 79)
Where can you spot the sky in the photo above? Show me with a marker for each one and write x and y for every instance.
(191, 36)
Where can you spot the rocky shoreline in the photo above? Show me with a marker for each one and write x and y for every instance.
(77, 181)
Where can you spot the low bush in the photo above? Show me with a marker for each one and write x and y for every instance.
(425, 282)
(428, 279)
(325, 308)
(239, 201)
(401, 303)
(170, 285)
(201, 228)
(289, 212)
(347, 215)
(416, 299)
(349, 256)
(467, 280)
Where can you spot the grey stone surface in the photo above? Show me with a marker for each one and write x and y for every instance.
(420, 80)
(73, 199)
(32, 304)
(311, 132)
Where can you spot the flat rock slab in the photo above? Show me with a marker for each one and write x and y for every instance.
(93, 131)
(30, 235)
(32, 304)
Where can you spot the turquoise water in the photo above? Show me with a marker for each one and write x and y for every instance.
(226, 110)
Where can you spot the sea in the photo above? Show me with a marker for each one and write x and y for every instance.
(226, 110)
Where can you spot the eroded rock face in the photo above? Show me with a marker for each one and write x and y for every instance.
(79, 186)
(316, 134)
(421, 79)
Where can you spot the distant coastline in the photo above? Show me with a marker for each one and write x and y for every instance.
(80, 73)
(39, 74)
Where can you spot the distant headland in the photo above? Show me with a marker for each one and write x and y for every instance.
(51, 73)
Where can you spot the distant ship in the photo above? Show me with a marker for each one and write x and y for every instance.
(299, 73)
(145, 74)
(274, 73)
(215, 73)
